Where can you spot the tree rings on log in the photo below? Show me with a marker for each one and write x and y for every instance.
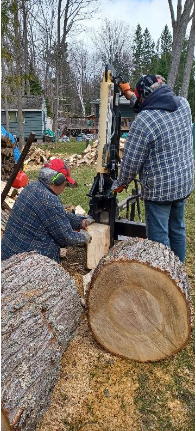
(138, 301)
(40, 312)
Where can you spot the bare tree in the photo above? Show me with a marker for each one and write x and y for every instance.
(179, 25)
(19, 77)
(79, 66)
(113, 45)
(189, 60)
(70, 13)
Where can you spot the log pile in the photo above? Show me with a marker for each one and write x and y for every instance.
(40, 312)
(7, 159)
(138, 301)
(37, 156)
(89, 155)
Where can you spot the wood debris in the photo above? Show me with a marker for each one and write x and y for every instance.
(7, 159)
(37, 156)
(89, 155)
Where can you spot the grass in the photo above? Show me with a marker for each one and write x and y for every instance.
(164, 398)
(72, 147)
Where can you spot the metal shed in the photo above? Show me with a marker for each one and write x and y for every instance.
(34, 115)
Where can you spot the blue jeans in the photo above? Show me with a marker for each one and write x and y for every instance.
(165, 224)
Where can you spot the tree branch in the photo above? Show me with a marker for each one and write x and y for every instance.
(172, 13)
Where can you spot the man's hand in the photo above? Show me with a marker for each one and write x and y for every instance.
(124, 86)
(116, 188)
(119, 189)
(127, 91)
(88, 237)
(86, 222)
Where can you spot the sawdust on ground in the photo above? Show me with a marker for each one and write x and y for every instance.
(100, 392)
(95, 390)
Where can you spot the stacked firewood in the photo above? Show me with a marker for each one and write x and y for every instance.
(89, 155)
(7, 159)
(37, 156)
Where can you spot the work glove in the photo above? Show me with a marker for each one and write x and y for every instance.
(88, 237)
(124, 86)
(116, 188)
(128, 92)
(87, 221)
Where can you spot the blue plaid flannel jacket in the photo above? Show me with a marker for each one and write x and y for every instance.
(39, 222)
(159, 148)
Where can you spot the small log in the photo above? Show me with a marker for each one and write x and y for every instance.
(99, 246)
(40, 312)
(138, 301)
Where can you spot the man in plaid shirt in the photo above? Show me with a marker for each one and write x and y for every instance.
(38, 221)
(159, 149)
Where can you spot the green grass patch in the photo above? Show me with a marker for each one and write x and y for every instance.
(72, 147)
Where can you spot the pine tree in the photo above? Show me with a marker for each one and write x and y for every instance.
(137, 54)
(34, 82)
(148, 52)
(165, 52)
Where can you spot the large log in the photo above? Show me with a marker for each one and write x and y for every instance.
(40, 312)
(138, 301)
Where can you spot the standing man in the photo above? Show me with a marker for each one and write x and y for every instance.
(159, 149)
(38, 221)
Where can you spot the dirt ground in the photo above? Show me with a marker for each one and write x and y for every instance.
(100, 392)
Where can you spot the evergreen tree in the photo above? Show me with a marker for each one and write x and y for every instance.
(165, 52)
(34, 82)
(137, 54)
(148, 52)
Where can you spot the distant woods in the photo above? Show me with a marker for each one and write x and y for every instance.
(44, 53)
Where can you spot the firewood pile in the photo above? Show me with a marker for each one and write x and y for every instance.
(89, 155)
(37, 156)
(7, 159)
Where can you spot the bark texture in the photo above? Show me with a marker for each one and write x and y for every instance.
(138, 301)
(40, 312)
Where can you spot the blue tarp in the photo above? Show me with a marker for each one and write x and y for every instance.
(16, 151)
(8, 135)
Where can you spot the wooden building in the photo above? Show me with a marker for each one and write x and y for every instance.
(34, 115)
(75, 125)
(126, 110)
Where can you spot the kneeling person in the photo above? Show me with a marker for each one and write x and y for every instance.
(38, 221)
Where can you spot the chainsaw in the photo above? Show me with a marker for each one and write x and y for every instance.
(103, 205)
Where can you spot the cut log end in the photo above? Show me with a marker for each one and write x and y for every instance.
(136, 310)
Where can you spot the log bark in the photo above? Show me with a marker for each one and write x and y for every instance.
(40, 312)
(138, 301)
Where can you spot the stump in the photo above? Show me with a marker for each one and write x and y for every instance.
(138, 301)
(40, 312)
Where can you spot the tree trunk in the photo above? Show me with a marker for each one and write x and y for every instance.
(40, 312)
(19, 72)
(179, 31)
(137, 301)
(189, 61)
(25, 47)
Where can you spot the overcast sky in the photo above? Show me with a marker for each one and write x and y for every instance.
(153, 14)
